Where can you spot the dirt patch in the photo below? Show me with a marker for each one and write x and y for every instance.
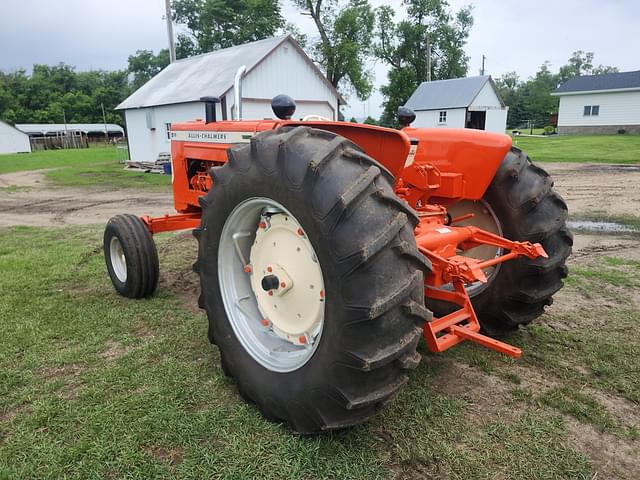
(610, 456)
(172, 456)
(62, 371)
(114, 351)
(42, 205)
(587, 188)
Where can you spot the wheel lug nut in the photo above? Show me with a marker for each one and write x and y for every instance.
(270, 293)
(302, 339)
(269, 269)
(283, 285)
(265, 322)
(300, 232)
(247, 269)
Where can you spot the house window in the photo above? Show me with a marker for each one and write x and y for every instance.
(168, 127)
(443, 117)
(591, 110)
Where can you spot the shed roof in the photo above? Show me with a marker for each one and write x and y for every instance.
(189, 79)
(452, 93)
(49, 128)
(607, 81)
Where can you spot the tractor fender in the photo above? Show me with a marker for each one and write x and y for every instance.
(466, 159)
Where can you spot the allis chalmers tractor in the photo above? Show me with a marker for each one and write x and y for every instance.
(324, 248)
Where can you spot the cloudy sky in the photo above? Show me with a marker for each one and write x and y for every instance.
(514, 35)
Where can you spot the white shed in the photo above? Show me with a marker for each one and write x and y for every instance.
(274, 66)
(593, 104)
(13, 140)
(472, 102)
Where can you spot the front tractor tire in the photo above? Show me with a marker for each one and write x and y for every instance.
(131, 256)
(310, 278)
(525, 207)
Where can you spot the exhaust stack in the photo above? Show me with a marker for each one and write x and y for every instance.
(237, 90)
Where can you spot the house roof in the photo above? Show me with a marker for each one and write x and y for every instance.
(49, 128)
(453, 93)
(607, 81)
(189, 79)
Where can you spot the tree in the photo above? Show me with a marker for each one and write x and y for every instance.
(345, 36)
(429, 27)
(215, 24)
(581, 63)
(144, 65)
(509, 88)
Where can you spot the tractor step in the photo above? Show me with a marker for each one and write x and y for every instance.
(444, 332)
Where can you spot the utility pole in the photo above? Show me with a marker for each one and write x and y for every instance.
(428, 57)
(482, 70)
(104, 120)
(172, 45)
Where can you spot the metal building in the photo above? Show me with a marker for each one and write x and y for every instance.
(273, 66)
(472, 102)
(13, 140)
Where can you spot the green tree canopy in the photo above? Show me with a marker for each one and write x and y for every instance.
(144, 65)
(215, 24)
(52, 94)
(430, 26)
(345, 33)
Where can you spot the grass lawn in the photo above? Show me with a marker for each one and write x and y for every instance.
(578, 148)
(97, 386)
(96, 166)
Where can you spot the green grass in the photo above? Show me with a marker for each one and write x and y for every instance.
(92, 167)
(623, 149)
(93, 385)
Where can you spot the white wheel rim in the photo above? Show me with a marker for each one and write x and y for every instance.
(279, 327)
(486, 219)
(118, 260)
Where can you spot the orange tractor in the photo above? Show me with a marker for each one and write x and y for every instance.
(327, 249)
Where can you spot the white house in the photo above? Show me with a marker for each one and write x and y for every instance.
(608, 103)
(472, 102)
(13, 140)
(273, 66)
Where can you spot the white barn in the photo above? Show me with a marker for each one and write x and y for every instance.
(273, 66)
(13, 140)
(593, 104)
(472, 102)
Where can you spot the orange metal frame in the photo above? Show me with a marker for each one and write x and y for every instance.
(448, 166)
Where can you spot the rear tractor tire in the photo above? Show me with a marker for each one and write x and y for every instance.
(525, 207)
(131, 256)
(310, 278)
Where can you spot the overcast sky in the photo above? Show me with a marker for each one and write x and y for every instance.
(514, 35)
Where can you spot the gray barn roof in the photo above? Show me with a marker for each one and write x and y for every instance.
(208, 74)
(607, 81)
(453, 93)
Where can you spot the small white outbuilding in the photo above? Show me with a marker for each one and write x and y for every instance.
(472, 102)
(13, 140)
(273, 66)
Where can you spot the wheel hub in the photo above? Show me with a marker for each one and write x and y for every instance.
(286, 279)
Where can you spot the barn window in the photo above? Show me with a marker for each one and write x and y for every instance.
(587, 110)
(168, 127)
(595, 110)
(443, 117)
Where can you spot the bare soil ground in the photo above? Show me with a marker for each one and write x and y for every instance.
(588, 188)
(26, 199)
